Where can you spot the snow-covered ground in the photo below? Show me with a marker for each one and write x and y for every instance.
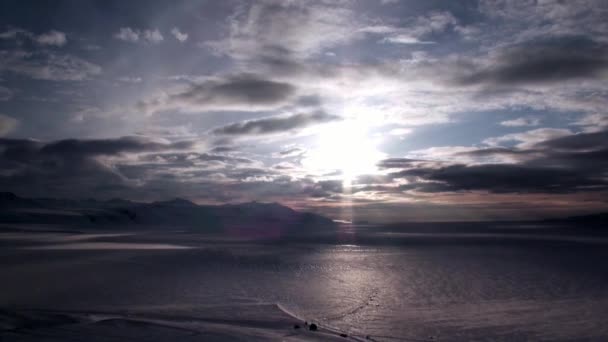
(253, 322)
(370, 285)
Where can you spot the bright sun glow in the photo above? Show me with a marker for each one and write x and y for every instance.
(346, 147)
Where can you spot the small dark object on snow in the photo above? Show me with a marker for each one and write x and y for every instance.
(295, 326)
(343, 335)
(305, 323)
(312, 327)
(367, 337)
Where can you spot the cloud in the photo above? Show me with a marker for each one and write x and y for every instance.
(577, 142)
(300, 28)
(191, 159)
(5, 93)
(405, 39)
(181, 36)
(496, 151)
(152, 36)
(55, 38)
(414, 33)
(549, 60)
(397, 163)
(499, 178)
(131, 35)
(291, 152)
(11, 33)
(434, 22)
(558, 164)
(278, 124)
(7, 124)
(127, 34)
(140, 168)
(96, 147)
(45, 65)
(593, 122)
(72, 167)
(50, 38)
(400, 131)
(223, 149)
(528, 19)
(126, 79)
(520, 122)
(243, 92)
(529, 138)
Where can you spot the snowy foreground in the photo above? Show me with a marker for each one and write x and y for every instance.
(260, 322)
(432, 282)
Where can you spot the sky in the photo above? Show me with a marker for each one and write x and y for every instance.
(361, 110)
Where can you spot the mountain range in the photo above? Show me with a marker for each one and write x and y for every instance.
(175, 213)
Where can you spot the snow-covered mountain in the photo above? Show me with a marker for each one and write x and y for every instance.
(174, 213)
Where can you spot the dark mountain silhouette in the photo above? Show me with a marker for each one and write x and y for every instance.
(592, 219)
(172, 213)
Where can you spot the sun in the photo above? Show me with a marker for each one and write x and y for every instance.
(345, 147)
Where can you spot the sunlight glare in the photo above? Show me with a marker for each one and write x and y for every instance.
(346, 147)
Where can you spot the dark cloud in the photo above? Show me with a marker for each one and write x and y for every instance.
(277, 124)
(583, 141)
(246, 89)
(244, 92)
(396, 163)
(223, 149)
(291, 152)
(110, 146)
(70, 167)
(573, 163)
(497, 151)
(498, 178)
(80, 169)
(543, 61)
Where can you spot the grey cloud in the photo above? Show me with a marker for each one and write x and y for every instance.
(278, 124)
(499, 178)
(520, 122)
(11, 33)
(223, 149)
(182, 165)
(5, 94)
(32, 157)
(305, 28)
(71, 168)
(153, 36)
(189, 158)
(244, 92)
(581, 141)
(179, 35)
(568, 164)
(396, 162)
(284, 166)
(493, 151)
(7, 124)
(127, 34)
(131, 35)
(110, 146)
(543, 61)
(292, 152)
(46, 65)
(51, 38)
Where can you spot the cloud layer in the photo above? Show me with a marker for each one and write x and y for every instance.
(477, 109)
